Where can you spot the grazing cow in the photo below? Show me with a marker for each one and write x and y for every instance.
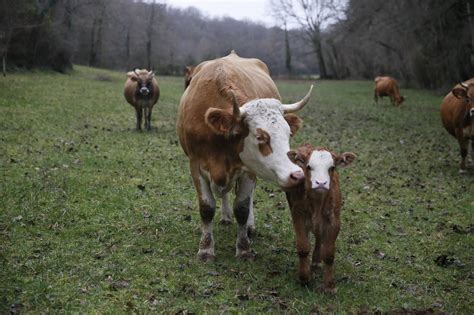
(387, 86)
(316, 206)
(188, 75)
(457, 115)
(233, 127)
(142, 92)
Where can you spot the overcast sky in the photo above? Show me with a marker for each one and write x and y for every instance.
(254, 10)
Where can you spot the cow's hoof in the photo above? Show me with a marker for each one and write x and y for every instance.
(206, 257)
(225, 222)
(304, 278)
(327, 290)
(462, 171)
(248, 255)
(251, 231)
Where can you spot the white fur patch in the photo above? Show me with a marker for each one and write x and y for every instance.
(267, 114)
(320, 162)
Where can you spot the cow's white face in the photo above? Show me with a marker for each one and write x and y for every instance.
(320, 165)
(267, 143)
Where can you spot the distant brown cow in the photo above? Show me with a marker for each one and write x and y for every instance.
(188, 75)
(142, 92)
(316, 206)
(457, 115)
(387, 86)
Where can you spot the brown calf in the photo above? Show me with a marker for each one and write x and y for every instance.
(457, 115)
(142, 92)
(316, 206)
(387, 86)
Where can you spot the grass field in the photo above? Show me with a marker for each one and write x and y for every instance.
(98, 218)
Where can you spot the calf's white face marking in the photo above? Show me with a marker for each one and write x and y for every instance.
(319, 165)
(267, 115)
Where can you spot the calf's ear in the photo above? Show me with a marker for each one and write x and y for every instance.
(345, 159)
(295, 158)
(294, 121)
(222, 122)
(459, 93)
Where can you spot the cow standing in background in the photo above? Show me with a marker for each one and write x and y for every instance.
(142, 92)
(188, 75)
(316, 206)
(233, 127)
(457, 115)
(387, 86)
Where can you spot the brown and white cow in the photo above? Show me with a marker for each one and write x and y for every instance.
(457, 115)
(142, 92)
(188, 75)
(387, 86)
(316, 206)
(233, 127)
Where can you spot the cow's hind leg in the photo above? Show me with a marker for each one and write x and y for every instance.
(138, 114)
(207, 209)
(148, 117)
(242, 204)
(226, 210)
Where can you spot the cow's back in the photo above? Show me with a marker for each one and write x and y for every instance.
(211, 86)
(450, 107)
(385, 85)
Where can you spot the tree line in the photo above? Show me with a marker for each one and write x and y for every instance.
(423, 43)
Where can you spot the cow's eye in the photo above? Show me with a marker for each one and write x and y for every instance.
(308, 167)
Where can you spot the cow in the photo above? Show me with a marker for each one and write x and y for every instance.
(316, 205)
(387, 86)
(188, 75)
(142, 92)
(457, 115)
(233, 127)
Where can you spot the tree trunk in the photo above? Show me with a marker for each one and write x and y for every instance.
(287, 53)
(149, 33)
(92, 51)
(471, 30)
(316, 41)
(4, 66)
(127, 47)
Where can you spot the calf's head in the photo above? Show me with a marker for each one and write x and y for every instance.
(466, 93)
(264, 128)
(319, 165)
(144, 80)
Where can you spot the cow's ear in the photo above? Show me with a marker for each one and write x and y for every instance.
(345, 159)
(295, 158)
(459, 93)
(134, 78)
(221, 122)
(294, 121)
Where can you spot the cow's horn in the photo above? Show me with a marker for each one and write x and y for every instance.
(135, 71)
(291, 108)
(464, 85)
(235, 106)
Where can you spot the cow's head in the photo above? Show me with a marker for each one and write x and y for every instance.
(400, 100)
(264, 128)
(144, 79)
(466, 93)
(319, 165)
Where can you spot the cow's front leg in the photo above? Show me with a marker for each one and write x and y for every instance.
(138, 114)
(242, 204)
(463, 145)
(207, 209)
(226, 210)
(303, 245)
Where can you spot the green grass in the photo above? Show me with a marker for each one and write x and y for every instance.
(78, 235)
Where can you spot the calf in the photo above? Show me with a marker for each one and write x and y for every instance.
(457, 115)
(387, 86)
(142, 92)
(316, 206)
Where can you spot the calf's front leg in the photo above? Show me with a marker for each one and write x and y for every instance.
(138, 113)
(328, 251)
(303, 245)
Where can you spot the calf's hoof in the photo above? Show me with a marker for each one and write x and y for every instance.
(206, 256)
(248, 255)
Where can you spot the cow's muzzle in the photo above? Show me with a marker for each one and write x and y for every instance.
(144, 91)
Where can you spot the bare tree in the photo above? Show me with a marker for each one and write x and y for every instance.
(312, 16)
